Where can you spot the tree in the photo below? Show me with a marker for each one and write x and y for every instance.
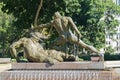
(109, 50)
(85, 13)
(5, 31)
(89, 18)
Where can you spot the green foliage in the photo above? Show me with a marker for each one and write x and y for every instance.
(109, 50)
(89, 17)
(110, 22)
(85, 57)
(6, 30)
(25, 10)
(85, 13)
(4, 23)
(107, 57)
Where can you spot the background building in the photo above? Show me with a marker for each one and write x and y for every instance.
(114, 40)
(117, 2)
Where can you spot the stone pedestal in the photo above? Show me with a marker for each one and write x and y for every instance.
(57, 75)
(61, 65)
(5, 60)
(59, 71)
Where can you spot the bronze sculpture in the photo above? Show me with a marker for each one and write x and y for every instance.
(64, 26)
(34, 50)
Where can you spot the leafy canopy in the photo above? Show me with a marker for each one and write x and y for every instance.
(85, 13)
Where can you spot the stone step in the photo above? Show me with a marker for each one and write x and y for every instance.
(113, 64)
(60, 71)
(61, 65)
(5, 60)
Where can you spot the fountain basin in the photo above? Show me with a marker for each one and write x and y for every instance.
(56, 75)
(61, 71)
(61, 65)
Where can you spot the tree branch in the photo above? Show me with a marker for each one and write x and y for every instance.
(37, 13)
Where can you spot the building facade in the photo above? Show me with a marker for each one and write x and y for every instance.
(116, 2)
(114, 39)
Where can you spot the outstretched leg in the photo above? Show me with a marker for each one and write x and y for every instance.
(74, 39)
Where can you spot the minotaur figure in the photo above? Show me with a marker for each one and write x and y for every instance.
(34, 51)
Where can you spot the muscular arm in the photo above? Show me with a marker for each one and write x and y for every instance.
(44, 25)
(73, 26)
(14, 46)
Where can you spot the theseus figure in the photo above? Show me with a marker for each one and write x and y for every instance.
(65, 27)
(34, 51)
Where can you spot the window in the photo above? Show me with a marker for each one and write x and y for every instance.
(117, 49)
(118, 36)
(108, 36)
(107, 42)
(118, 2)
(119, 28)
(117, 43)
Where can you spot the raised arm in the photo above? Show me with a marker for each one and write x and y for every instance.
(73, 26)
(43, 25)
